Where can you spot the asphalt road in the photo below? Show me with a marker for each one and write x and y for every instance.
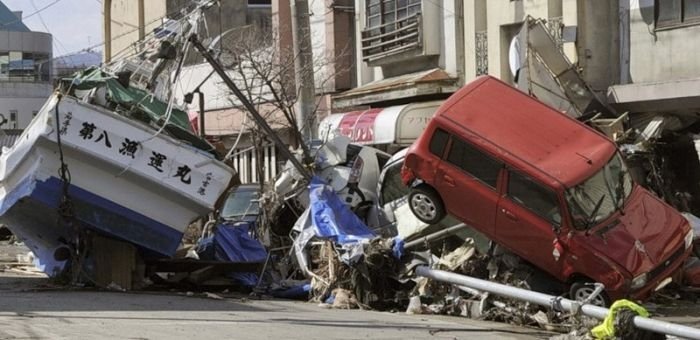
(44, 313)
(31, 308)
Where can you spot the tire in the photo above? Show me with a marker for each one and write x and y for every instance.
(426, 204)
(580, 290)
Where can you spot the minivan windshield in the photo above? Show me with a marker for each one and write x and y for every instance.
(601, 195)
(241, 202)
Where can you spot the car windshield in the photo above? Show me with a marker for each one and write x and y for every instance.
(601, 195)
(241, 202)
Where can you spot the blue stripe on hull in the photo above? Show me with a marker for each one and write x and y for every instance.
(34, 218)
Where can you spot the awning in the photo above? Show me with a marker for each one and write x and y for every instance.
(677, 96)
(399, 125)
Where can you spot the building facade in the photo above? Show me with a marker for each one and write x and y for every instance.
(25, 70)
(408, 56)
(128, 21)
(586, 31)
(660, 71)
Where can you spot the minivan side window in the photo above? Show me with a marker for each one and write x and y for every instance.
(438, 142)
(534, 197)
(475, 162)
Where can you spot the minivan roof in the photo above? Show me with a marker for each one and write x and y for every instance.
(527, 134)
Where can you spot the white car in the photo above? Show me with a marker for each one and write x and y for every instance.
(392, 215)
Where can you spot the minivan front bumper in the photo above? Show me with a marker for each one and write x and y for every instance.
(658, 277)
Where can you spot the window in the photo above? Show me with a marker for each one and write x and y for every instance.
(381, 12)
(534, 197)
(438, 142)
(393, 26)
(473, 161)
(677, 12)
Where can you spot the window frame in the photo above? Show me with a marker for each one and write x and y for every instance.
(456, 139)
(554, 194)
(675, 23)
(388, 15)
(444, 145)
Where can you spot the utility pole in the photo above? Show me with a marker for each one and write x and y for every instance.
(303, 68)
(249, 106)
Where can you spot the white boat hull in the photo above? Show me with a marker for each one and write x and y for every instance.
(125, 182)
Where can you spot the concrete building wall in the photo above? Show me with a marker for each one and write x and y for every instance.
(475, 21)
(598, 43)
(595, 24)
(443, 43)
(125, 21)
(656, 55)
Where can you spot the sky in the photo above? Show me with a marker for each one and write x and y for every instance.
(75, 24)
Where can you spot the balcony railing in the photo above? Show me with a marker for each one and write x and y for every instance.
(555, 26)
(482, 53)
(392, 38)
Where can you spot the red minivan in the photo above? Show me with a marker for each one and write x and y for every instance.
(548, 188)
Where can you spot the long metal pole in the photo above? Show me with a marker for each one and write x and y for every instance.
(554, 302)
(435, 236)
(249, 106)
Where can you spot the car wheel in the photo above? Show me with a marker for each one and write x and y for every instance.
(426, 204)
(580, 291)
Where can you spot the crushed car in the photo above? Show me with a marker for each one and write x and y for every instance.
(546, 187)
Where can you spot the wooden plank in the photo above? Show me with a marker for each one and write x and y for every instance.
(115, 262)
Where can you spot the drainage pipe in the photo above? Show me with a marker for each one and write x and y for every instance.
(556, 303)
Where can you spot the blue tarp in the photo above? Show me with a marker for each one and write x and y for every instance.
(231, 244)
(332, 218)
(234, 244)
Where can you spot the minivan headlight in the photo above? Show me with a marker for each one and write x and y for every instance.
(639, 281)
(689, 239)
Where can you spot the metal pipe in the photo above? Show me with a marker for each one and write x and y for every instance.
(249, 106)
(435, 236)
(202, 130)
(556, 303)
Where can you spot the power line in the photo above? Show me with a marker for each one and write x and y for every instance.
(31, 15)
(41, 19)
(114, 38)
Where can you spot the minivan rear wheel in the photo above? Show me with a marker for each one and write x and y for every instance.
(426, 204)
(581, 290)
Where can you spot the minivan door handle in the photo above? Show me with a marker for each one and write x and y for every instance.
(509, 214)
(449, 181)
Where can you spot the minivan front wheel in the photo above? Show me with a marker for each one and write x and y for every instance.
(426, 204)
(580, 291)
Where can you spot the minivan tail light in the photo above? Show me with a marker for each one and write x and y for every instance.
(407, 175)
(356, 170)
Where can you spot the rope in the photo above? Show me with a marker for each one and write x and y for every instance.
(65, 207)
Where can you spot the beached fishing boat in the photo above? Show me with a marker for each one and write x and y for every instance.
(107, 156)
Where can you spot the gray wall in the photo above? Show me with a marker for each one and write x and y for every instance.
(598, 43)
(658, 55)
